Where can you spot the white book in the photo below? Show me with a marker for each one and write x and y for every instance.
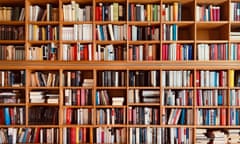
(134, 33)
(163, 78)
(141, 53)
(80, 32)
(110, 30)
(90, 52)
(64, 135)
(137, 135)
(130, 96)
(137, 97)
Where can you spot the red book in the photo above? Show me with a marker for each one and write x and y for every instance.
(133, 12)
(215, 51)
(223, 116)
(2, 121)
(129, 33)
(68, 116)
(197, 78)
(163, 52)
(37, 133)
(130, 53)
(180, 135)
(238, 51)
(84, 135)
(12, 117)
(85, 52)
(74, 52)
(100, 12)
(73, 135)
(166, 51)
(83, 97)
(97, 13)
(78, 95)
(221, 78)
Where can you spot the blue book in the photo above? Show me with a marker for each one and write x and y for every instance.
(190, 53)
(102, 33)
(182, 118)
(237, 117)
(220, 98)
(207, 117)
(24, 140)
(7, 116)
(174, 32)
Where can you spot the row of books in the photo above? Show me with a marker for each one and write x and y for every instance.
(143, 115)
(12, 78)
(12, 96)
(46, 32)
(179, 116)
(9, 32)
(29, 135)
(111, 116)
(102, 97)
(211, 97)
(211, 78)
(77, 97)
(143, 52)
(12, 52)
(43, 115)
(73, 78)
(170, 32)
(142, 12)
(234, 8)
(143, 32)
(43, 13)
(212, 116)
(78, 116)
(15, 13)
(212, 52)
(178, 97)
(235, 97)
(44, 79)
(111, 32)
(77, 32)
(75, 11)
(172, 12)
(235, 51)
(111, 52)
(175, 51)
(144, 78)
(110, 135)
(43, 52)
(160, 135)
(111, 78)
(72, 135)
(208, 13)
(43, 97)
(183, 78)
(234, 116)
(77, 52)
(12, 115)
(110, 11)
(143, 96)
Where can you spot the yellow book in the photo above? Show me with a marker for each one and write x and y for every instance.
(175, 11)
(77, 135)
(115, 11)
(231, 78)
(149, 12)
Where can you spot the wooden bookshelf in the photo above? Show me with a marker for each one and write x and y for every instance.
(175, 64)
